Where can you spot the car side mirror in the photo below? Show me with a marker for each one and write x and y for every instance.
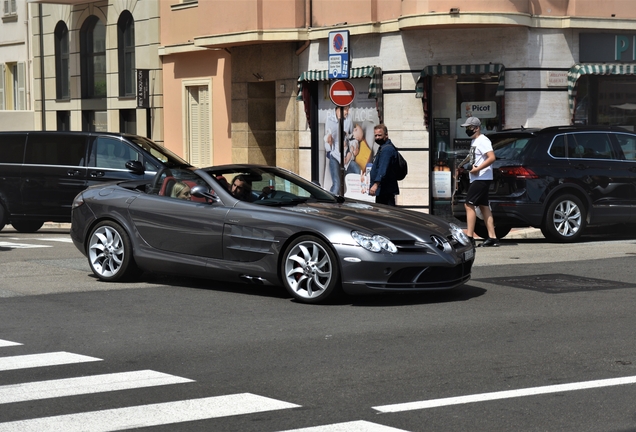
(200, 191)
(135, 167)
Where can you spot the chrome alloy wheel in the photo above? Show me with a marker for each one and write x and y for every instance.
(308, 270)
(106, 251)
(567, 218)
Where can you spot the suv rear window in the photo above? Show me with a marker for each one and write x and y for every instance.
(12, 149)
(56, 149)
(510, 146)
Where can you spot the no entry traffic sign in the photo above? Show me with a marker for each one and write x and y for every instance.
(342, 93)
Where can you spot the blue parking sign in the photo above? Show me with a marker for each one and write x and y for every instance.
(339, 53)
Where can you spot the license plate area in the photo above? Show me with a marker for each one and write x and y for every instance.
(469, 254)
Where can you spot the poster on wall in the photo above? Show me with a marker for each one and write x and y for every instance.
(359, 148)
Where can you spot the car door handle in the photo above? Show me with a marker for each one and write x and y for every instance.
(633, 169)
(581, 166)
(73, 173)
(97, 174)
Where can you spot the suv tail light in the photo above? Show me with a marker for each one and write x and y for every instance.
(518, 172)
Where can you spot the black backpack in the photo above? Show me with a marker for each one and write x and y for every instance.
(400, 167)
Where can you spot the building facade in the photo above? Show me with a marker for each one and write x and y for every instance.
(96, 67)
(16, 106)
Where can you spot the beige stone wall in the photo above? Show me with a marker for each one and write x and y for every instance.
(264, 111)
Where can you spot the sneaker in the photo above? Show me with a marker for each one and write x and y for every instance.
(491, 242)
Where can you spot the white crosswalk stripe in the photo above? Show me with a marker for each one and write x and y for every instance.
(357, 426)
(151, 415)
(41, 360)
(86, 385)
(53, 239)
(6, 343)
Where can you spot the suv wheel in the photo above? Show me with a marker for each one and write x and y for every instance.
(565, 219)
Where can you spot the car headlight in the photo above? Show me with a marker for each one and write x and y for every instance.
(459, 235)
(373, 243)
(78, 201)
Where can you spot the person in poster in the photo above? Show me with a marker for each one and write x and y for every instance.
(332, 144)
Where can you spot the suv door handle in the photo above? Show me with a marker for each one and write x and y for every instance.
(97, 174)
(581, 166)
(73, 173)
(633, 169)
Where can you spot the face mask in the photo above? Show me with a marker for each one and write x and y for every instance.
(470, 132)
(380, 141)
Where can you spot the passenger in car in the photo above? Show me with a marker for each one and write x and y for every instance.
(242, 188)
(181, 191)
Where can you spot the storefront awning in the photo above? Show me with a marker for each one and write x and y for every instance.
(470, 69)
(576, 71)
(375, 85)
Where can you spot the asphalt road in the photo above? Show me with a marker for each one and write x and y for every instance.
(541, 339)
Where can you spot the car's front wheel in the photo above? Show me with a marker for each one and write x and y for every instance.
(109, 252)
(565, 219)
(309, 270)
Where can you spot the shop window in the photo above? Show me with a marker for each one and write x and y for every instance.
(93, 55)
(94, 121)
(606, 100)
(63, 120)
(128, 121)
(62, 65)
(126, 54)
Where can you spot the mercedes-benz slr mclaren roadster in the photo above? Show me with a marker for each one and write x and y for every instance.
(264, 225)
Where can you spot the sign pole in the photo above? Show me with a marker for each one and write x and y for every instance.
(341, 144)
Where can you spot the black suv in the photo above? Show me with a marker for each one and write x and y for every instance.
(560, 179)
(42, 172)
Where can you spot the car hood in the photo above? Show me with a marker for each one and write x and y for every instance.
(392, 222)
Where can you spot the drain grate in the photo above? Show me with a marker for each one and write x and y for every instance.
(556, 283)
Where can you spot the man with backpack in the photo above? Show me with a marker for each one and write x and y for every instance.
(384, 173)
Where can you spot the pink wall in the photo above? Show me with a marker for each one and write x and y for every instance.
(192, 66)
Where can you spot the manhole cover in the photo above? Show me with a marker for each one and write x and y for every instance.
(557, 283)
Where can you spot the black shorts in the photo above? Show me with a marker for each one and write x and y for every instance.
(478, 193)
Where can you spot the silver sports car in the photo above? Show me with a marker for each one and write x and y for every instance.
(264, 225)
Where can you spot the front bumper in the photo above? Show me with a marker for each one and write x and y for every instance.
(366, 272)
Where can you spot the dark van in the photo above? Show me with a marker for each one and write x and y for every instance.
(41, 172)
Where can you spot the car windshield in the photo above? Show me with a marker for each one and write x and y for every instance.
(509, 146)
(168, 158)
(268, 185)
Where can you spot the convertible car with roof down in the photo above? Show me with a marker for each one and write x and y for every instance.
(281, 230)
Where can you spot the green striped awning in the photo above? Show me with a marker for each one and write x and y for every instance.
(469, 69)
(576, 71)
(375, 73)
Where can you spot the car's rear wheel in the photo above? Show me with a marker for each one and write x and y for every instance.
(3, 215)
(109, 252)
(500, 230)
(309, 270)
(565, 219)
(27, 226)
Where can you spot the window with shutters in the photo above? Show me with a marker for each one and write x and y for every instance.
(198, 130)
(9, 11)
(12, 87)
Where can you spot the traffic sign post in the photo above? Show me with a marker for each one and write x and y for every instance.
(339, 54)
(342, 93)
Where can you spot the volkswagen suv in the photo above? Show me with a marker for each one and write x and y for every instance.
(560, 179)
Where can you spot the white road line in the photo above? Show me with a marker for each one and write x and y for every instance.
(357, 426)
(6, 343)
(86, 385)
(40, 360)
(55, 239)
(21, 245)
(433, 403)
(150, 415)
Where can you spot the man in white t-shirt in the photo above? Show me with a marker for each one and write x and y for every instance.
(481, 157)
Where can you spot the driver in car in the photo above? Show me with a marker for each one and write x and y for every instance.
(241, 189)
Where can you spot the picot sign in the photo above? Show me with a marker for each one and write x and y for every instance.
(339, 54)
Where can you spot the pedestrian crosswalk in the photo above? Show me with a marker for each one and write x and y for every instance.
(132, 417)
(31, 243)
